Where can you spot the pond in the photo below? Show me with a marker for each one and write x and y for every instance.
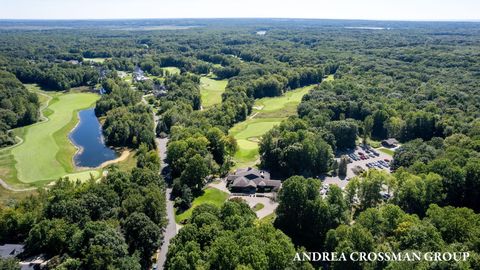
(88, 137)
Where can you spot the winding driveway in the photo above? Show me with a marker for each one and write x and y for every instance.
(171, 228)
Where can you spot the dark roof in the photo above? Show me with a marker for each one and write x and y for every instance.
(252, 173)
(241, 182)
(390, 141)
(251, 177)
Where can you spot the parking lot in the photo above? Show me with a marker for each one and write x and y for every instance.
(364, 158)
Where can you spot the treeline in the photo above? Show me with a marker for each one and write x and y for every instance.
(363, 220)
(342, 99)
(181, 99)
(127, 122)
(293, 149)
(456, 159)
(306, 146)
(114, 223)
(193, 154)
(18, 107)
(130, 126)
(61, 76)
(227, 238)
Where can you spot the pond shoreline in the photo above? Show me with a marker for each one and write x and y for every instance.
(80, 149)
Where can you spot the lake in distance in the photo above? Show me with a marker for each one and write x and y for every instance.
(88, 136)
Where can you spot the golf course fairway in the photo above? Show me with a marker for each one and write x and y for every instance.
(267, 113)
(211, 91)
(248, 135)
(46, 151)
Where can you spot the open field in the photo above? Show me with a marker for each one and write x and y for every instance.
(211, 91)
(46, 151)
(211, 195)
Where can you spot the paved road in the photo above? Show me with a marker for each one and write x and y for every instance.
(171, 229)
(8, 187)
(269, 206)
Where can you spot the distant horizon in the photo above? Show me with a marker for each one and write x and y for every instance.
(375, 10)
(241, 18)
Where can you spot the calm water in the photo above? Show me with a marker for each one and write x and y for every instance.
(88, 136)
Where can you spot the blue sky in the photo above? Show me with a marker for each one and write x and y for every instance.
(331, 9)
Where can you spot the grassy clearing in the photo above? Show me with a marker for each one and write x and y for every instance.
(211, 195)
(84, 176)
(172, 70)
(269, 219)
(95, 60)
(258, 207)
(211, 91)
(46, 152)
(387, 151)
(373, 143)
(329, 78)
(129, 163)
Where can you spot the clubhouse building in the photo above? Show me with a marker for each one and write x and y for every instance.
(251, 180)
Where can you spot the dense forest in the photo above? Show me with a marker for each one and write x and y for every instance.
(18, 107)
(116, 223)
(416, 82)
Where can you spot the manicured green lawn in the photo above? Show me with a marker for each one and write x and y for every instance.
(46, 152)
(211, 91)
(211, 195)
(258, 207)
(293, 97)
(387, 151)
(267, 113)
(247, 134)
(172, 70)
